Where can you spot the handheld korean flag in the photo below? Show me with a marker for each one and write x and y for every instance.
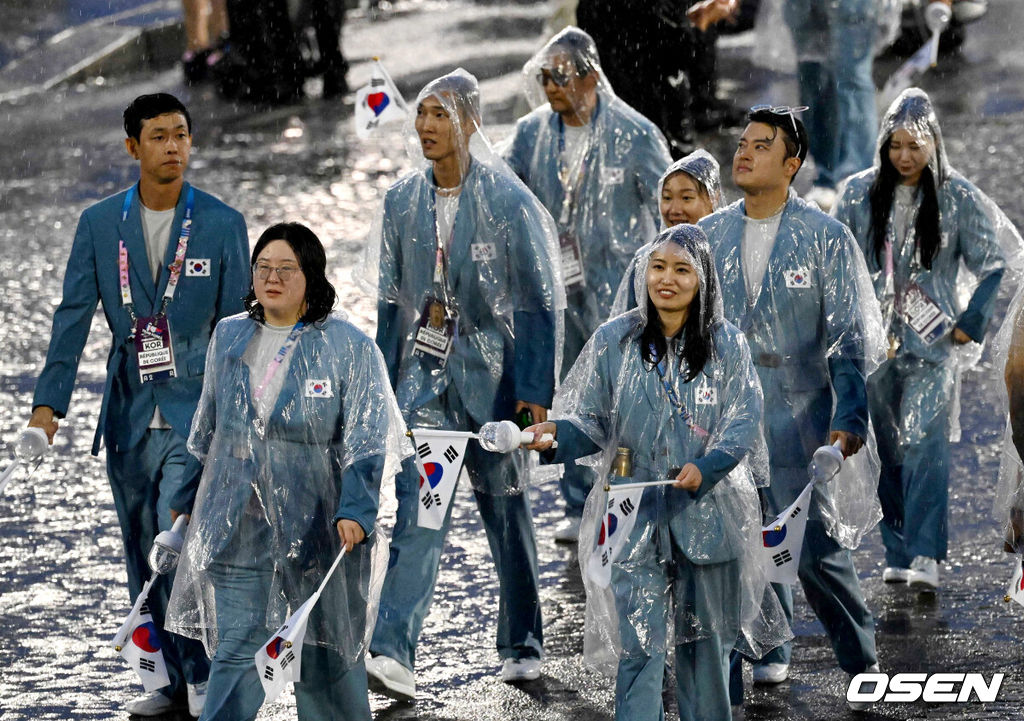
(138, 642)
(617, 524)
(279, 660)
(378, 103)
(1016, 590)
(783, 538)
(439, 457)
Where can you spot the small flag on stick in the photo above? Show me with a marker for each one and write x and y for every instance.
(138, 642)
(783, 539)
(617, 524)
(378, 103)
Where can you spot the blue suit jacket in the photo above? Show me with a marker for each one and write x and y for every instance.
(218, 235)
(506, 347)
(805, 334)
(618, 203)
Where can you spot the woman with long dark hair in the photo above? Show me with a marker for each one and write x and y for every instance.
(296, 429)
(671, 385)
(919, 222)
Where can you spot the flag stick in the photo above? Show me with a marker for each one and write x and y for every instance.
(633, 486)
(121, 637)
(8, 472)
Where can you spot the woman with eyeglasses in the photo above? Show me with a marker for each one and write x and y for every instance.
(688, 190)
(296, 429)
(918, 222)
(672, 382)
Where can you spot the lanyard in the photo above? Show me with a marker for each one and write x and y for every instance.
(565, 174)
(275, 364)
(687, 417)
(176, 265)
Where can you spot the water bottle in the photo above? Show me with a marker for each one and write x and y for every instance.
(825, 463)
(31, 444)
(500, 436)
(937, 16)
(163, 556)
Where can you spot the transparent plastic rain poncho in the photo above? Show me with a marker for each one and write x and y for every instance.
(702, 167)
(601, 190)
(617, 399)
(813, 328)
(978, 245)
(500, 276)
(1008, 507)
(270, 489)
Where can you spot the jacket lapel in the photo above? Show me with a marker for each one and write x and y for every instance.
(130, 231)
(172, 242)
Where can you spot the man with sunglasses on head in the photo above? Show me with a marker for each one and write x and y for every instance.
(167, 261)
(792, 279)
(594, 163)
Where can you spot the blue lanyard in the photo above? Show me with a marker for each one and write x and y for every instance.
(661, 366)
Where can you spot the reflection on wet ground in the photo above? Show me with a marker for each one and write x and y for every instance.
(61, 581)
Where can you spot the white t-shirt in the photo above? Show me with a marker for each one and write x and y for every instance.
(758, 242)
(447, 206)
(265, 343)
(575, 144)
(156, 229)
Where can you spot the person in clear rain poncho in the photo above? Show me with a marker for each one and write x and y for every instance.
(296, 429)
(934, 244)
(594, 163)
(673, 382)
(462, 240)
(688, 190)
(794, 282)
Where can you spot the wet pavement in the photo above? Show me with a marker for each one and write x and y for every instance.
(62, 590)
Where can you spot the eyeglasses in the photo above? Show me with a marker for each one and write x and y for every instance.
(558, 77)
(785, 110)
(284, 274)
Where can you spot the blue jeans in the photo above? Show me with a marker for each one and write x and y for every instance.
(704, 594)
(835, 50)
(142, 480)
(416, 552)
(910, 402)
(329, 688)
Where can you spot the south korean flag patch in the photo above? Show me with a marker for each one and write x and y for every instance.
(197, 267)
(797, 278)
(319, 389)
(707, 395)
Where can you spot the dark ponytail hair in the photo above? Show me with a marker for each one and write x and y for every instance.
(320, 294)
(927, 235)
(695, 342)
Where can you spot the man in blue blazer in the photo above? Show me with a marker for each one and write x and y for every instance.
(167, 261)
(468, 316)
(594, 162)
(794, 281)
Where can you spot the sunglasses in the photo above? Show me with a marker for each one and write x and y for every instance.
(559, 77)
(785, 110)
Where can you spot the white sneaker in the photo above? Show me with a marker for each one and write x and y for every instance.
(895, 574)
(153, 703)
(388, 677)
(520, 669)
(967, 11)
(924, 574)
(821, 196)
(567, 530)
(862, 705)
(771, 673)
(196, 698)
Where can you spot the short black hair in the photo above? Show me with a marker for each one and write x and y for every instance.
(320, 294)
(796, 143)
(145, 107)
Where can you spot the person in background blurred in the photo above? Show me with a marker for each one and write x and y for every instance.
(206, 31)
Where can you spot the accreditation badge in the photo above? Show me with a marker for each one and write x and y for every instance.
(434, 332)
(153, 349)
(572, 258)
(923, 314)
